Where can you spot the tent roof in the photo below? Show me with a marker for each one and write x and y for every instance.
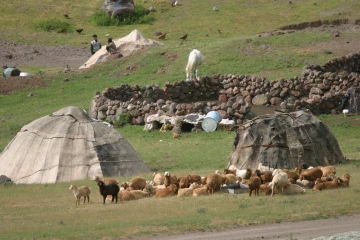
(284, 141)
(68, 145)
(126, 45)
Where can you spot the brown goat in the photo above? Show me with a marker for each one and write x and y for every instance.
(184, 182)
(166, 192)
(319, 185)
(346, 180)
(336, 183)
(292, 175)
(254, 184)
(204, 190)
(215, 181)
(195, 178)
(328, 171)
(137, 183)
(169, 179)
(266, 177)
(309, 174)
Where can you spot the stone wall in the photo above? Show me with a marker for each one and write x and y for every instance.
(319, 88)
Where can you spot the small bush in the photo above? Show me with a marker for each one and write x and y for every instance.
(124, 119)
(138, 16)
(53, 24)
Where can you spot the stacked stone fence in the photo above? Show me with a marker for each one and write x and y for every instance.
(319, 89)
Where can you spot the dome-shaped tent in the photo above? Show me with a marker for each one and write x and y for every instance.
(68, 145)
(284, 141)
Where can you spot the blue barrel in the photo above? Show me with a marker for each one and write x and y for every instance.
(9, 72)
(210, 122)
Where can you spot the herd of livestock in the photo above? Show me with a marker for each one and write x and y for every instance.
(278, 181)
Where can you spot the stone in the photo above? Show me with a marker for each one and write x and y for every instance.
(118, 7)
(260, 100)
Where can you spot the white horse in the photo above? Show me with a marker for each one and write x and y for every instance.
(195, 60)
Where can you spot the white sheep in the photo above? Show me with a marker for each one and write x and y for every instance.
(280, 180)
(195, 60)
(292, 189)
(83, 191)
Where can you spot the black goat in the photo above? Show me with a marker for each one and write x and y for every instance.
(111, 189)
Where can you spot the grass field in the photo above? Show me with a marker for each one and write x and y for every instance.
(48, 211)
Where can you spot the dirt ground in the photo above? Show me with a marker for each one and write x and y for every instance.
(12, 54)
(347, 227)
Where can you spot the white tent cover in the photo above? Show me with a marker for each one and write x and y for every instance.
(68, 145)
(126, 45)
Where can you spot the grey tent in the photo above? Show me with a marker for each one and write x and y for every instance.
(68, 145)
(284, 141)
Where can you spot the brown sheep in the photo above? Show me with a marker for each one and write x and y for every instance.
(309, 174)
(266, 177)
(328, 171)
(166, 192)
(215, 181)
(346, 180)
(169, 179)
(336, 183)
(83, 191)
(158, 178)
(124, 195)
(105, 180)
(292, 175)
(138, 194)
(150, 189)
(319, 185)
(231, 178)
(254, 184)
(184, 182)
(188, 191)
(204, 190)
(264, 188)
(137, 183)
(195, 178)
(244, 174)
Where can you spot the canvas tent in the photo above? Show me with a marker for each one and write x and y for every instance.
(284, 141)
(126, 45)
(68, 145)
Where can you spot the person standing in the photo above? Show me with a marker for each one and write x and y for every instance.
(95, 45)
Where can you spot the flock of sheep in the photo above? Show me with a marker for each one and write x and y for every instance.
(278, 181)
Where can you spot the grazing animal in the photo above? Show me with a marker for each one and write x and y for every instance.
(292, 189)
(244, 173)
(83, 191)
(215, 181)
(328, 171)
(169, 179)
(66, 15)
(79, 30)
(346, 179)
(110, 189)
(204, 190)
(194, 178)
(266, 177)
(137, 183)
(184, 182)
(166, 192)
(184, 37)
(254, 184)
(158, 178)
(125, 195)
(195, 60)
(309, 174)
(105, 180)
(336, 183)
(280, 180)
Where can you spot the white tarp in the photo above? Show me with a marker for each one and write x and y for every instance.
(126, 45)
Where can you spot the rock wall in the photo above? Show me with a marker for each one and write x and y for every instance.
(319, 89)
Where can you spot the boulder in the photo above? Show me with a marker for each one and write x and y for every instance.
(118, 7)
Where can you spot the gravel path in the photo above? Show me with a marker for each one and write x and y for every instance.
(344, 227)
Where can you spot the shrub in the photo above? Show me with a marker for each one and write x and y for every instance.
(138, 16)
(124, 119)
(53, 24)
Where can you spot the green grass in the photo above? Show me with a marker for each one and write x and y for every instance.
(48, 212)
